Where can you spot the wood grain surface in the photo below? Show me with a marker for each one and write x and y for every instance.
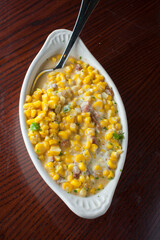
(124, 36)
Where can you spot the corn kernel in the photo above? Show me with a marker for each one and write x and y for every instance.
(63, 135)
(92, 179)
(73, 127)
(90, 132)
(70, 166)
(53, 142)
(52, 104)
(97, 168)
(97, 105)
(79, 158)
(76, 183)
(49, 165)
(44, 106)
(112, 165)
(28, 99)
(82, 178)
(40, 148)
(37, 104)
(52, 115)
(82, 167)
(87, 155)
(53, 59)
(109, 145)
(46, 145)
(92, 190)
(59, 169)
(100, 186)
(88, 145)
(109, 136)
(33, 113)
(70, 178)
(118, 126)
(67, 187)
(111, 175)
(27, 113)
(106, 172)
(54, 150)
(56, 177)
(93, 148)
(68, 159)
(39, 117)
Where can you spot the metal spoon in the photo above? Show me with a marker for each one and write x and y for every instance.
(86, 9)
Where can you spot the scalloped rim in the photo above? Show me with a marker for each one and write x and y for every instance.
(96, 205)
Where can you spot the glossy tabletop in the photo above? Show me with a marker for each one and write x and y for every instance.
(124, 37)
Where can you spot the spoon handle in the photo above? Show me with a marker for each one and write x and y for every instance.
(86, 9)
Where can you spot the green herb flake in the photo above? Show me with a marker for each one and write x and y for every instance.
(110, 178)
(97, 177)
(34, 126)
(75, 191)
(117, 111)
(98, 189)
(120, 170)
(110, 143)
(105, 128)
(56, 91)
(66, 108)
(80, 57)
(60, 154)
(37, 150)
(96, 132)
(93, 97)
(118, 136)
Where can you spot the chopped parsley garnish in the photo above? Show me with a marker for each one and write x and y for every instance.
(56, 91)
(97, 177)
(66, 108)
(117, 111)
(118, 136)
(75, 190)
(98, 189)
(110, 143)
(34, 126)
(115, 103)
(96, 132)
(120, 170)
(37, 150)
(105, 128)
(60, 154)
(93, 97)
(80, 57)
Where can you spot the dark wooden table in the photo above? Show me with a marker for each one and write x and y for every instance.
(124, 37)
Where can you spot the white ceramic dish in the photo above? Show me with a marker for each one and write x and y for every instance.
(96, 205)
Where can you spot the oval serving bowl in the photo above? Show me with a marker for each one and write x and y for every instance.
(96, 205)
